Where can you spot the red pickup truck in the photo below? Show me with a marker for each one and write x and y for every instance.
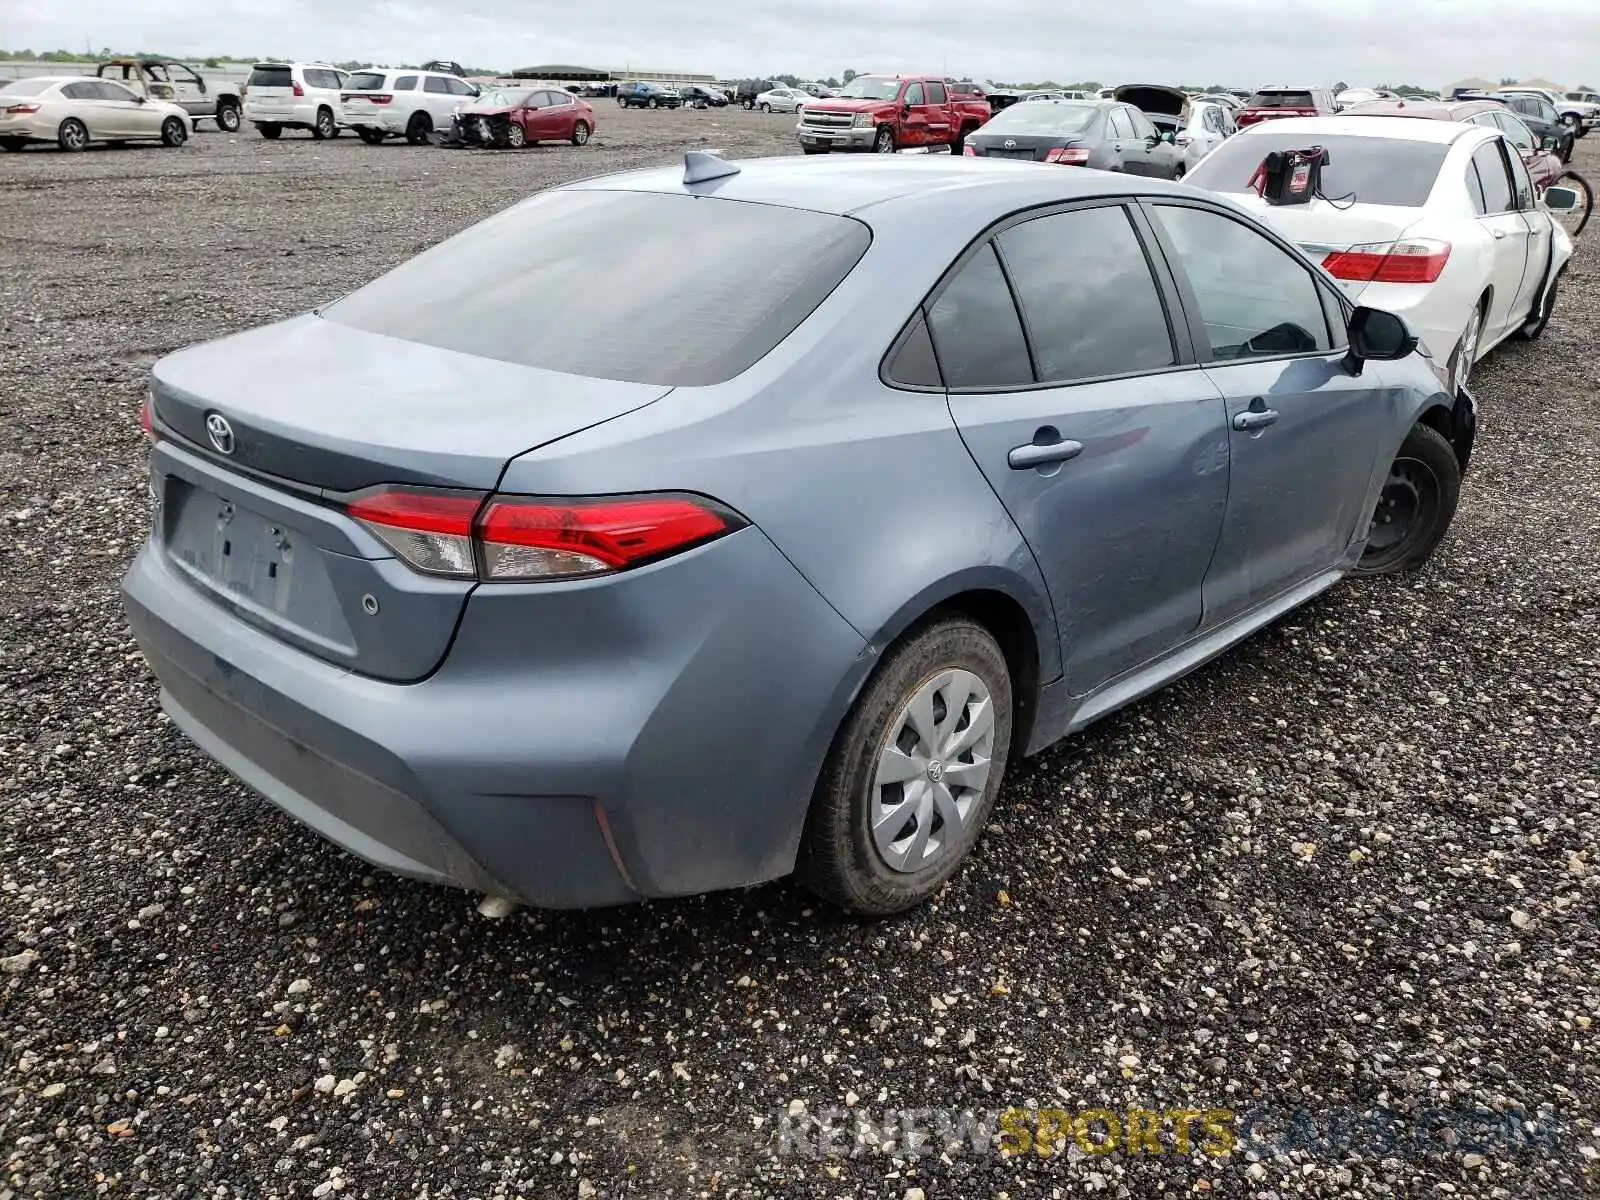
(885, 113)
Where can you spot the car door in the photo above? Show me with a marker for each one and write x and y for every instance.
(1536, 267)
(914, 116)
(190, 91)
(1161, 157)
(1127, 150)
(1495, 198)
(939, 130)
(541, 118)
(126, 113)
(1071, 381)
(1304, 434)
(439, 101)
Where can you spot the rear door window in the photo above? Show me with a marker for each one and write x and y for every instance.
(276, 77)
(1493, 178)
(936, 93)
(1089, 301)
(80, 91)
(1256, 299)
(406, 83)
(556, 282)
(977, 331)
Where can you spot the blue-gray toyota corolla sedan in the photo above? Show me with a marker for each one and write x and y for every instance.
(683, 529)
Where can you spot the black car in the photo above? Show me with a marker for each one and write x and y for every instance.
(749, 89)
(698, 95)
(1079, 133)
(1539, 115)
(647, 95)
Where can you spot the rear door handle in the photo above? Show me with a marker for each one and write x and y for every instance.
(1254, 419)
(1024, 458)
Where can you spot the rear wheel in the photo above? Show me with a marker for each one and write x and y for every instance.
(1415, 507)
(227, 117)
(174, 132)
(270, 132)
(324, 127)
(580, 134)
(418, 128)
(883, 143)
(73, 135)
(372, 137)
(766, 108)
(913, 772)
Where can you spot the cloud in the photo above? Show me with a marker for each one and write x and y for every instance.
(1242, 43)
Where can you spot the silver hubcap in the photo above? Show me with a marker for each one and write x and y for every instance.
(932, 771)
(75, 136)
(516, 136)
(1469, 349)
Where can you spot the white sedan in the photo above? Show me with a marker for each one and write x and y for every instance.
(1434, 220)
(782, 100)
(74, 110)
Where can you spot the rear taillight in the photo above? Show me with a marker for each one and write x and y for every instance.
(20, 109)
(147, 419)
(1069, 156)
(1416, 260)
(510, 539)
(298, 91)
(970, 152)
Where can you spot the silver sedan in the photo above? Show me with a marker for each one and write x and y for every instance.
(73, 110)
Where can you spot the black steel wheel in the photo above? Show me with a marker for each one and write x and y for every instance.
(1415, 506)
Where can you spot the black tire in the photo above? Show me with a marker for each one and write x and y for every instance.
(325, 126)
(419, 128)
(884, 142)
(73, 135)
(1416, 505)
(13, 145)
(372, 137)
(1543, 308)
(174, 133)
(622, 102)
(227, 117)
(1575, 123)
(748, 105)
(766, 108)
(838, 859)
(959, 146)
(580, 133)
(1566, 147)
(271, 132)
(652, 103)
(814, 149)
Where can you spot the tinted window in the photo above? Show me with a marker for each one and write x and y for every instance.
(1521, 183)
(322, 79)
(976, 330)
(457, 87)
(936, 93)
(435, 83)
(1475, 190)
(271, 77)
(914, 94)
(1280, 100)
(914, 362)
(1255, 298)
(572, 281)
(369, 81)
(1141, 125)
(1043, 117)
(80, 91)
(557, 99)
(1087, 295)
(1376, 170)
(406, 83)
(115, 91)
(1492, 178)
(1516, 132)
(28, 87)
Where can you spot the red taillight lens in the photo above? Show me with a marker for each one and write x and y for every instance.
(1419, 260)
(970, 152)
(21, 109)
(430, 531)
(513, 539)
(526, 539)
(380, 99)
(1069, 156)
(298, 91)
(147, 419)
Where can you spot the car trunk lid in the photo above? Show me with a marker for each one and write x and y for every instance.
(265, 436)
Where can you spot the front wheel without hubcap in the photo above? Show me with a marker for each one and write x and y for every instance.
(913, 772)
(1415, 506)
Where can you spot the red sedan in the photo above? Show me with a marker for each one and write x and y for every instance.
(518, 117)
(1542, 163)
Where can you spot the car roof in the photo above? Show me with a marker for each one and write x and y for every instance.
(1431, 110)
(1402, 129)
(846, 185)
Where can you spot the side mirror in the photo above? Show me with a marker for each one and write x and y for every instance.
(1379, 336)
(140, 100)
(1549, 143)
(1560, 199)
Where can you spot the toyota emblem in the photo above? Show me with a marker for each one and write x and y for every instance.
(1010, 143)
(220, 432)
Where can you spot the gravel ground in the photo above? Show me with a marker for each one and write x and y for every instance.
(1355, 864)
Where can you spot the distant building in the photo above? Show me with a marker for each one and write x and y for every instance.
(1470, 85)
(601, 76)
(1541, 83)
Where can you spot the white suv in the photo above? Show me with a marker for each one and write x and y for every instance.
(384, 102)
(283, 96)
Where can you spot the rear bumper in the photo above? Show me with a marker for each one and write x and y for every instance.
(301, 115)
(385, 117)
(657, 734)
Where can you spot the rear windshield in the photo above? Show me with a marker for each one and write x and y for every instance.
(27, 87)
(1281, 100)
(1043, 116)
(271, 77)
(646, 287)
(1369, 170)
(366, 81)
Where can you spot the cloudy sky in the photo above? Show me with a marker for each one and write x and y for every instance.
(1240, 43)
